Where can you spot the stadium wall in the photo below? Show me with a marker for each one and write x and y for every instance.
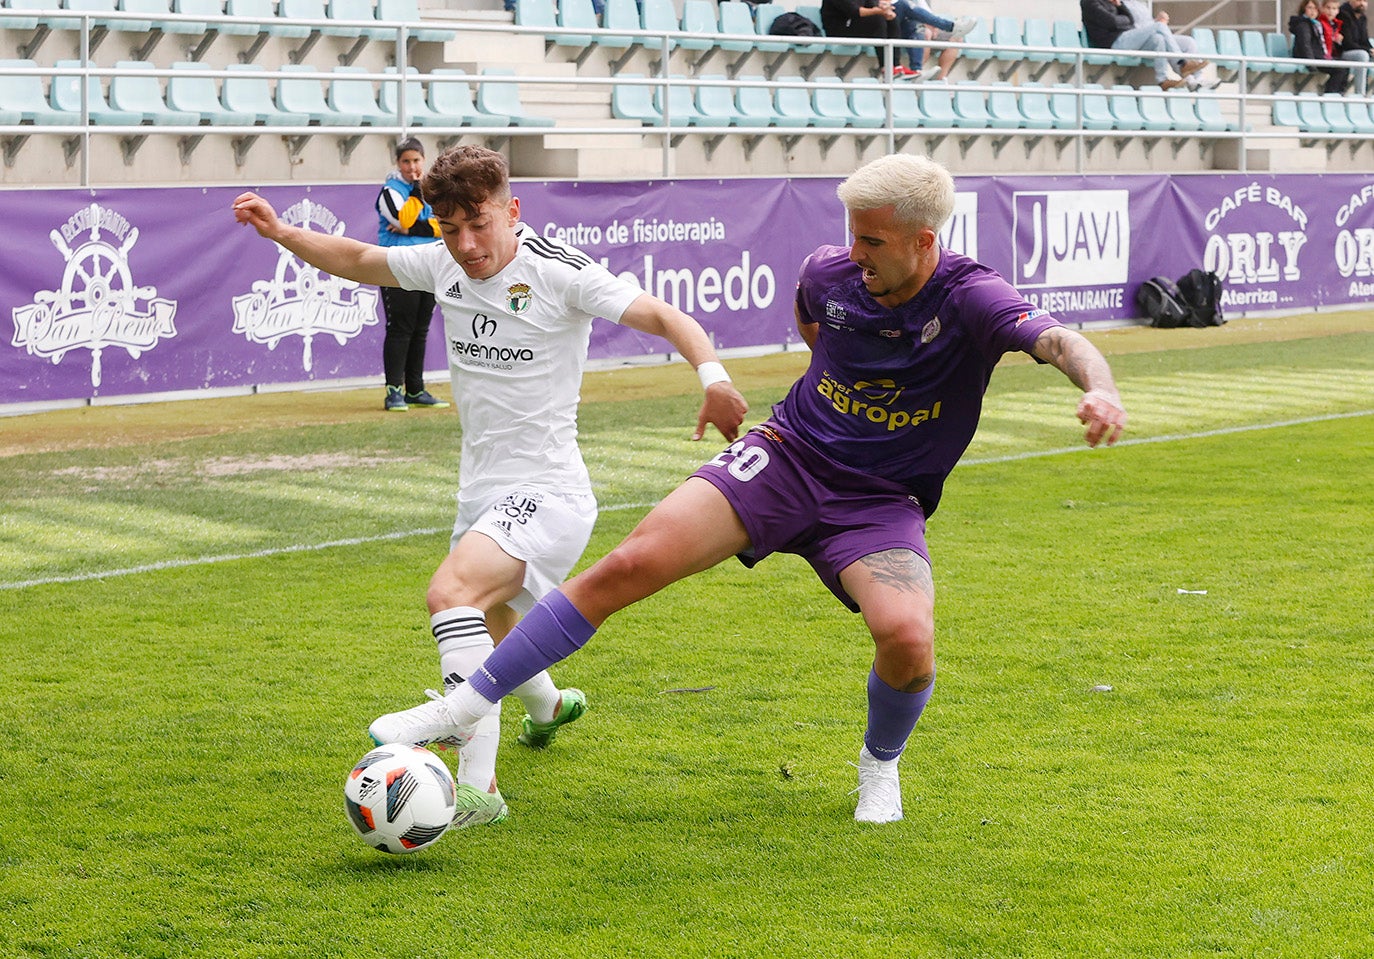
(107, 298)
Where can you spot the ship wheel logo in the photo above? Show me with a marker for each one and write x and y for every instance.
(301, 300)
(98, 305)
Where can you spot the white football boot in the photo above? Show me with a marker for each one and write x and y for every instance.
(880, 789)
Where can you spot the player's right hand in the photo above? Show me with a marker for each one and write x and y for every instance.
(253, 210)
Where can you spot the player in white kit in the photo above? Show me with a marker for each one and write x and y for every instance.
(517, 313)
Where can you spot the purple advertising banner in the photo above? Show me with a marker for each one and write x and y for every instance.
(128, 292)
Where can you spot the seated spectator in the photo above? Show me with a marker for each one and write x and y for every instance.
(1309, 43)
(1189, 67)
(866, 20)
(1110, 26)
(917, 22)
(1354, 44)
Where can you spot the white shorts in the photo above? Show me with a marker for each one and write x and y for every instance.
(547, 530)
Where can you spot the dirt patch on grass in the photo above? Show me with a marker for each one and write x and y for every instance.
(110, 427)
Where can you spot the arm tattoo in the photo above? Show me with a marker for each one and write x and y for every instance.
(901, 569)
(1075, 357)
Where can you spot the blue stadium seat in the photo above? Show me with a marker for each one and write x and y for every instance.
(661, 16)
(937, 103)
(1228, 45)
(65, 95)
(408, 12)
(24, 95)
(734, 18)
(977, 44)
(620, 15)
(1068, 38)
(1064, 106)
(261, 11)
(831, 103)
(418, 112)
(200, 95)
(1125, 107)
(361, 11)
(680, 109)
(1252, 45)
(699, 22)
(541, 13)
(248, 91)
(906, 106)
(1155, 109)
(1210, 116)
(866, 99)
(634, 101)
(1003, 107)
(1034, 102)
(350, 94)
(840, 47)
(764, 15)
(1335, 114)
(793, 102)
(502, 98)
(450, 96)
(143, 95)
(306, 95)
(1006, 34)
(1361, 116)
(1037, 32)
(1285, 111)
(756, 102)
(717, 104)
(195, 8)
(1276, 45)
(1183, 111)
(970, 108)
(1311, 118)
(1097, 112)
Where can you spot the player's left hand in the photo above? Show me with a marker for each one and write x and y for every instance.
(724, 408)
(1104, 416)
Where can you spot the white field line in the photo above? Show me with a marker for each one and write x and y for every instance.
(620, 507)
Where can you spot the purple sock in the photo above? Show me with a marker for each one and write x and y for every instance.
(552, 631)
(892, 715)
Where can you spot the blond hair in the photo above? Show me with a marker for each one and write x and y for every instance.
(919, 190)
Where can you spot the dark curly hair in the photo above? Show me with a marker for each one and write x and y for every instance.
(465, 177)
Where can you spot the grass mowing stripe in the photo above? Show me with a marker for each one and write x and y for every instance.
(620, 507)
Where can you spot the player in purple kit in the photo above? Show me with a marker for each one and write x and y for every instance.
(904, 338)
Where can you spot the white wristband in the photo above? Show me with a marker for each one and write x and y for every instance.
(712, 372)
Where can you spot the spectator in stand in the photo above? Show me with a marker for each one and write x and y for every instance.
(865, 20)
(1189, 67)
(1309, 43)
(1355, 41)
(1110, 26)
(918, 22)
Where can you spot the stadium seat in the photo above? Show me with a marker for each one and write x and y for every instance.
(1038, 32)
(1064, 106)
(143, 95)
(541, 14)
(634, 101)
(450, 96)
(1069, 40)
(24, 95)
(1183, 111)
(1155, 109)
(301, 10)
(98, 7)
(1285, 111)
(1360, 115)
(200, 95)
(1252, 45)
(793, 102)
(248, 91)
(840, 47)
(937, 104)
(1003, 109)
(306, 95)
(620, 15)
(1228, 45)
(1311, 117)
(831, 103)
(1034, 102)
(261, 11)
(736, 19)
(152, 9)
(1335, 114)
(906, 106)
(977, 45)
(408, 12)
(1210, 116)
(970, 108)
(417, 111)
(1097, 112)
(65, 95)
(350, 94)
(661, 16)
(716, 103)
(496, 97)
(764, 15)
(1276, 45)
(867, 100)
(363, 11)
(756, 102)
(196, 8)
(680, 109)
(699, 23)
(29, 23)
(1006, 34)
(1125, 107)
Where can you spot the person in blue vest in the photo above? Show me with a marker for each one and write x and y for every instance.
(405, 219)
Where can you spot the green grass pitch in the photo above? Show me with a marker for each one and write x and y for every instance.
(1149, 737)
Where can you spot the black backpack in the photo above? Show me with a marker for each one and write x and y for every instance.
(1200, 292)
(793, 25)
(1161, 303)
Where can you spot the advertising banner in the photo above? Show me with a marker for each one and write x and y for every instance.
(127, 292)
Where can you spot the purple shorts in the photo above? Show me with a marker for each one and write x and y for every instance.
(791, 500)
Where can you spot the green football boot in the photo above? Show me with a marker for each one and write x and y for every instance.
(473, 807)
(538, 735)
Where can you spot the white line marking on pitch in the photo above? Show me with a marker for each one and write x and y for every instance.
(620, 507)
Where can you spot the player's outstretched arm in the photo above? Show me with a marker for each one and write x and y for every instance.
(339, 255)
(723, 406)
(1100, 408)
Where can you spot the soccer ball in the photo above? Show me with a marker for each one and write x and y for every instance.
(399, 798)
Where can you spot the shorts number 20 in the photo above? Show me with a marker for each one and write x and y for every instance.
(741, 462)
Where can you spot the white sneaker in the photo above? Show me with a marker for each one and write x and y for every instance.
(880, 790)
(430, 722)
(963, 26)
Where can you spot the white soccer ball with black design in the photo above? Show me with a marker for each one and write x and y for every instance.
(399, 798)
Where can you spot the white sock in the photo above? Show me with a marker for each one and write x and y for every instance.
(464, 643)
(477, 760)
(540, 697)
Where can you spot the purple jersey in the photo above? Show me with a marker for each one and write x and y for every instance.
(897, 393)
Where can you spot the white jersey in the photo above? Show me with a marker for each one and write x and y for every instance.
(517, 345)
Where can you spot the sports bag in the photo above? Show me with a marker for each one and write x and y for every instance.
(1200, 292)
(1160, 302)
(793, 25)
